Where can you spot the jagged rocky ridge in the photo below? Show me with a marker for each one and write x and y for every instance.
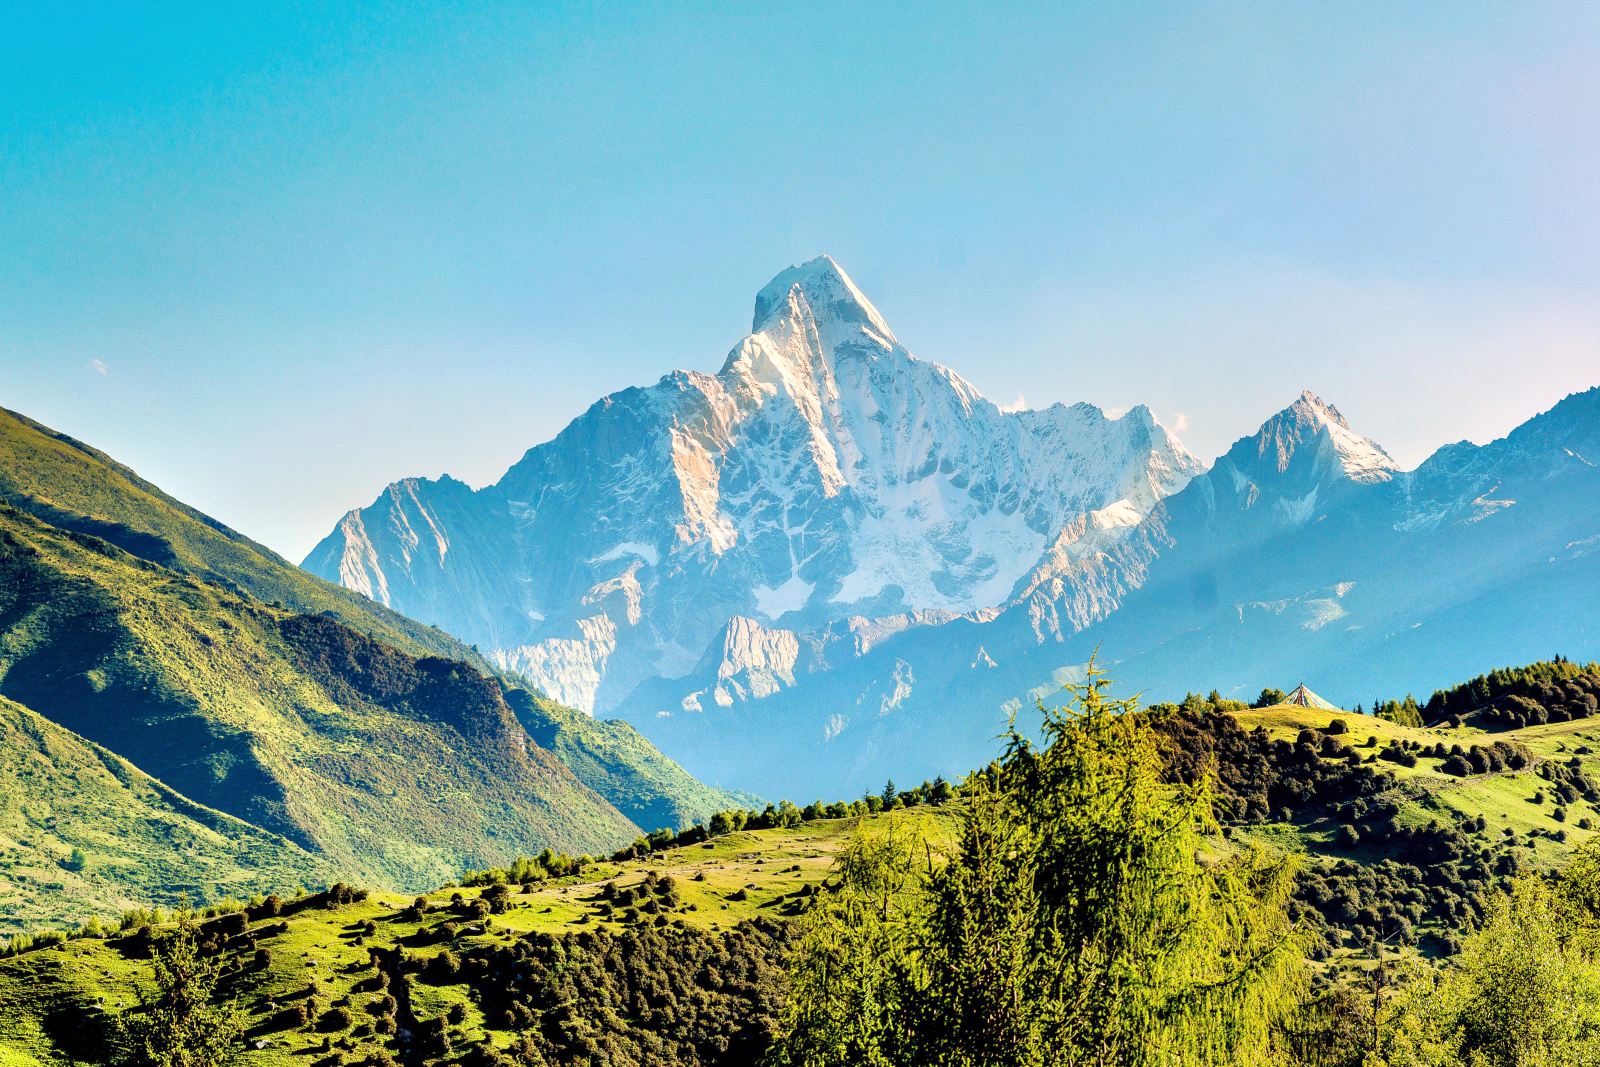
(727, 532)
(1303, 555)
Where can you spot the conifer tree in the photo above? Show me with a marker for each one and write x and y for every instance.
(1077, 922)
(851, 985)
(978, 961)
(1146, 952)
(178, 1021)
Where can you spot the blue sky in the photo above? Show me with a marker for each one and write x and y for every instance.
(277, 259)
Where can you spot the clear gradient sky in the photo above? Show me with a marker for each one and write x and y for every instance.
(275, 260)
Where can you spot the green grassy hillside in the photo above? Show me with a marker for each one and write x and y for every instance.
(85, 834)
(1522, 800)
(678, 956)
(71, 487)
(702, 898)
(616, 761)
(1405, 830)
(394, 769)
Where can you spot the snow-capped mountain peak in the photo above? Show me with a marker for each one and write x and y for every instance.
(826, 290)
(878, 555)
(825, 473)
(1312, 427)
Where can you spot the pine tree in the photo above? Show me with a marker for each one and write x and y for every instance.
(1401, 713)
(851, 983)
(977, 950)
(1073, 924)
(177, 1023)
(1148, 954)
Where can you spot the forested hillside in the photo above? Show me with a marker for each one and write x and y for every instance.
(1335, 847)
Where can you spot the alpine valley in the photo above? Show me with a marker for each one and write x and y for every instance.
(831, 561)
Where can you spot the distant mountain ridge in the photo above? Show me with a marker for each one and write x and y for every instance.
(832, 562)
(1292, 560)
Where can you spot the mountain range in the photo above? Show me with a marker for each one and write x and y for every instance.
(825, 486)
(832, 561)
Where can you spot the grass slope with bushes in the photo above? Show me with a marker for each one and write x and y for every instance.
(1406, 829)
(73, 487)
(391, 768)
(676, 957)
(680, 950)
(84, 833)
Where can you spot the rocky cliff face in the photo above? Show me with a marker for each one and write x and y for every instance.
(706, 539)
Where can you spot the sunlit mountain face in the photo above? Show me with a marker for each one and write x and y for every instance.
(831, 559)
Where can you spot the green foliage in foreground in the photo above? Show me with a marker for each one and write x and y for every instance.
(1075, 921)
(1089, 914)
(1524, 991)
(180, 1021)
(921, 952)
(938, 936)
(674, 960)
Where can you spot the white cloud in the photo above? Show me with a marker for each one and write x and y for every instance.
(1180, 422)
(99, 367)
(1019, 404)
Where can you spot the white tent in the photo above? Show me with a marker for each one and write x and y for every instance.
(1307, 699)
